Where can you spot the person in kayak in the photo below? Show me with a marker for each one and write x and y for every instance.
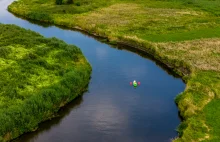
(135, 83)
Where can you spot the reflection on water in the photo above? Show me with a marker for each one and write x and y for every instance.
(111, 110)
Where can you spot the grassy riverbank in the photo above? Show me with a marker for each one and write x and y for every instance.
(38, 76)
(183, 34)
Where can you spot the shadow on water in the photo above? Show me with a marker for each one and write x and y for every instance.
(58, 117)
(47, 125)
(149, 57)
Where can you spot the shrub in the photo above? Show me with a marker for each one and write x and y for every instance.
(37, 76)
(78, 4)
(69, 2)
(59, 2)
(39, 16)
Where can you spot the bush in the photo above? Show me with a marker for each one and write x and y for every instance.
(59, 2)
(40, 16)
(78, 4)
(69, 2)
(37, 75)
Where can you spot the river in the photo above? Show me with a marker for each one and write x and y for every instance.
(111, 110)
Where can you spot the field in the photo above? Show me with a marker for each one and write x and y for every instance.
(183, 34)
(38, 76)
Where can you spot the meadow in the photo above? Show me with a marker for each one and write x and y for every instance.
(183, 34)
(38, 76)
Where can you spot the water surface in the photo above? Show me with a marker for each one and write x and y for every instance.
(111, 110)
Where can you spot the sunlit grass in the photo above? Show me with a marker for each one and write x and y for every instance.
(150, 20)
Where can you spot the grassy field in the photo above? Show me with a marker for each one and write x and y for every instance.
(38, 76)
(183, 34)
(149, 20)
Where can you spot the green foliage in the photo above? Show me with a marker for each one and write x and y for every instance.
(38, 75)
(4, 51)
(78, 4)
(69, 2)
(59, 2)
(182, 127)
(212, 113)
(199, 108)
(40, 16)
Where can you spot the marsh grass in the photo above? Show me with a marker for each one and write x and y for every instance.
(38, 76)
(183, 34)
(151, 20)
(202, 54)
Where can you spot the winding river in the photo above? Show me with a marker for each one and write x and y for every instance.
(111, 110)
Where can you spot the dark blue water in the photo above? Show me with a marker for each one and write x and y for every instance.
(111, 110)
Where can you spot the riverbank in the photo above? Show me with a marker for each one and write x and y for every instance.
(38, 76)
(182, 35)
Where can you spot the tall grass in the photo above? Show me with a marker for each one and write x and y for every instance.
(160, 21)
(38, 76)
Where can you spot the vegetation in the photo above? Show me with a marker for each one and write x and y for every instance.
(69, 2)
(38, 76)
(60, 2)
(183, 34)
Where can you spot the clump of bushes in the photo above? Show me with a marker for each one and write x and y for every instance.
(40, 16)
(60, 2)
(69, 1)
(38, 75)
(78, 4)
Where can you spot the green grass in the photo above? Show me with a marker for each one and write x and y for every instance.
(170, 20)
(211, 6)
(195, 34)
(183, 34)
(196, 104)
(38, 76)
(211, 114)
